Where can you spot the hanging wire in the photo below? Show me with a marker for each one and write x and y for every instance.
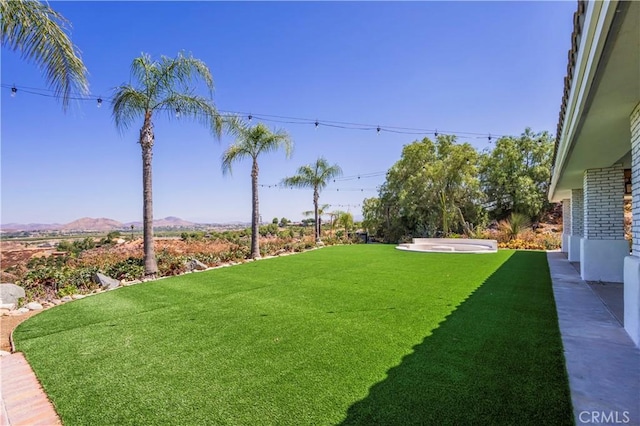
(281, 118)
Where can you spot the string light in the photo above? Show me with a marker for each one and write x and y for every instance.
(281, 119)
(99, 102)
(177, 112)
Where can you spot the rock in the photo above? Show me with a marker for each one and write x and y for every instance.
(56, 301)
(10, 293)
(9, 306)
(195, 265)
(4, 312)
(66, 299)
(22, 310)
(105, 282)
(77, 296)
(34, 306)
(4, 353)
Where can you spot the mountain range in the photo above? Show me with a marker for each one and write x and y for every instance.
(93, 224)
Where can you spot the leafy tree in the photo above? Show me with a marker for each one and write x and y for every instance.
(38, 32)
(515, 174)
(372, 220)
(315, 176)
(251, 142)
(432, 190)
(284, 222)
(274, 220)
(164, 86)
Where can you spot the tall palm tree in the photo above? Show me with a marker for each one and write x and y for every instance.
(314, 176)
(164, 87)
(250, 143)
(38, 32)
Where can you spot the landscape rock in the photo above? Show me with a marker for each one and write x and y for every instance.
(34, 306)
(10, 293)
(77, 296)
(56, 301)
(9, 306)
(22, 310)
(4, 312)
(195, 265)
(66, 299)
(105, 281)
(4, 353)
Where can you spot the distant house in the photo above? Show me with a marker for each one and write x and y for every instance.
(597, 153)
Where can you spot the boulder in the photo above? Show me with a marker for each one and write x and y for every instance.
(4, 353)
(10, 293)
(78, 296)
(195, 265)
(105, 282)
(34, 306)
(66, 299)
(8, 306)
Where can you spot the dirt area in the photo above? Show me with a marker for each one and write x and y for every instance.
(7, 324)
(14, 253)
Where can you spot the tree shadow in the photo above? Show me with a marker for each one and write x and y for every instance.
(497, 359)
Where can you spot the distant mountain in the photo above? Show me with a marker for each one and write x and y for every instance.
(104, 224)
(172, 221)
(17, 227)
(90, 224)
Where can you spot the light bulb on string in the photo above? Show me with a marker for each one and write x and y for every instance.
(14, 91)
(316, 123)
(99, 102)
(436, 133)
(250, 116)
(489, 137)
(378, 129)
(177, 112)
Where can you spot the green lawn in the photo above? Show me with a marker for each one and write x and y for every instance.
(362, 334)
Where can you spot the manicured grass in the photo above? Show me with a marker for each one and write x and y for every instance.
(352, 335)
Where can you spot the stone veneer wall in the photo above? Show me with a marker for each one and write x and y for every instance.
(635, 179)
(604, 203)
(577, 212)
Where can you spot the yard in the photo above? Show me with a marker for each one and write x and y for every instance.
(361, 334)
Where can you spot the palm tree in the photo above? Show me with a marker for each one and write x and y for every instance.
(321, 212)
(250, 143)
(346, 220)
(314, 176)
(38, 32)
(164, 86)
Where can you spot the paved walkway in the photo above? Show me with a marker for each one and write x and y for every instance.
(602, 362)
(22, 400)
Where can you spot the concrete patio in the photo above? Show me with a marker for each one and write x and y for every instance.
(602, 361)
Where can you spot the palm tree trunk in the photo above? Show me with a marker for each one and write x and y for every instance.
(255, 212)
(315, 214)
(146, 142)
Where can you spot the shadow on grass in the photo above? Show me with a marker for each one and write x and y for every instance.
(497, 359)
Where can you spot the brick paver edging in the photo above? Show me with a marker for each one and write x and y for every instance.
(22, 400)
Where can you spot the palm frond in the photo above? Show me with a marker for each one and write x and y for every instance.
(232, 154)
(193, 107)
(38, 32)
(128, 104)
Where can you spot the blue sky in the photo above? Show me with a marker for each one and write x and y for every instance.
(478, 67)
